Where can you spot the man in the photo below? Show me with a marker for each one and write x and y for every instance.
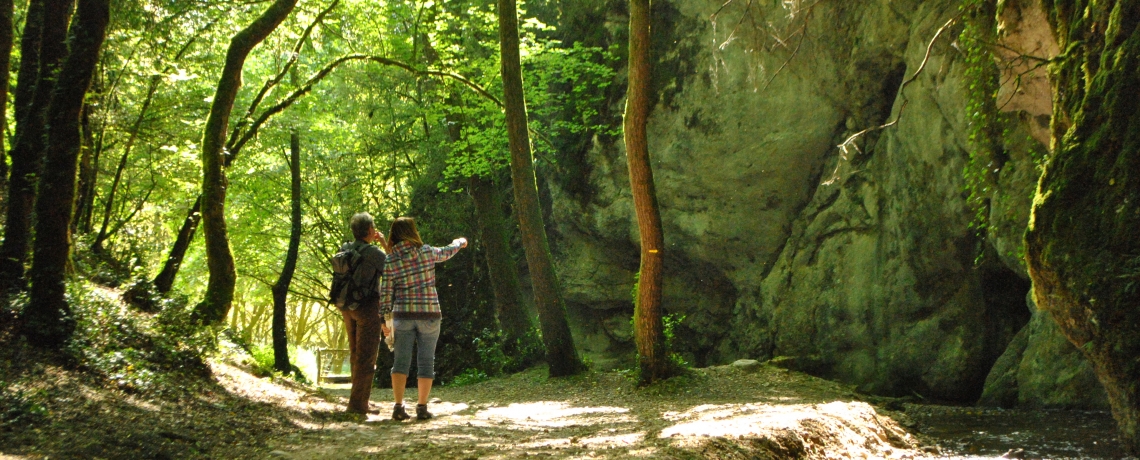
(362, 318)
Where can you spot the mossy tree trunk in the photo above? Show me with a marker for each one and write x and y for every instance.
(47, 320)
(42, 49)
(560, 352)
(1082, 244)
(87, 173)
(510, 309)
(219, 259)
(281, 287)
(6, 7)
(648, 329)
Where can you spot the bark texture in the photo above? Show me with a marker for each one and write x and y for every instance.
(514, 320)
(6, 7)
(281, 287)
(42, 51)
(560, 352)
(220, 260)
(652, 356)
(1081, 246)
(47, 321)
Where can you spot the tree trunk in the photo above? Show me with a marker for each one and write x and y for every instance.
(6, 7)
(1082, 248)
(281, 287)
(649, 331)
(165, 279)
(86, 172)
(47, 321)
(109, 202)
(47, 20)
(220, 287)
(511, 311)
(560, 351)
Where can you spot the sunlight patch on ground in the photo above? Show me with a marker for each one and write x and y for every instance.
(554, 414)
(238, 382)
(843, 429)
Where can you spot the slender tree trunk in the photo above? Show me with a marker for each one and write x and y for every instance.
(511, 311)
(109, 202)
(47, 20)
(6, 26)
(1082, 248)
(165, 278)
(47, 320)
(651, 353)
(560, 351)
(219, 259)
(281, 287)
(86, 172)
(96, 155)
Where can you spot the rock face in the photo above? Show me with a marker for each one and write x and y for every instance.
(863, 265)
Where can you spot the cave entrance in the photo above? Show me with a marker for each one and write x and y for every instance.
(1006, 312)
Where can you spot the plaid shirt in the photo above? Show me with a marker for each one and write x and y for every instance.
(408, 286)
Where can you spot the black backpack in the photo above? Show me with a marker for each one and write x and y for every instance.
(346, 291)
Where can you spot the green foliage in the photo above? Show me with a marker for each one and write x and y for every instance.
(135, 350)
(468, 377)
(565, 90)
(984, 122)
(19, 407)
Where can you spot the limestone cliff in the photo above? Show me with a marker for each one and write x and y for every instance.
(860, 267)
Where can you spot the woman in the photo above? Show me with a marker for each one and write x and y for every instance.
(407, 290)
(362, 319)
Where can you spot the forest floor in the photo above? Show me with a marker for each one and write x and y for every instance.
(722, 412)
(48, 411)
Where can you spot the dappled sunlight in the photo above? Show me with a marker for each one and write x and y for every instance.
(551, 414)
(848, 429)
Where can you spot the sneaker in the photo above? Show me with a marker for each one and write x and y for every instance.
(422, 412)
(399, 414)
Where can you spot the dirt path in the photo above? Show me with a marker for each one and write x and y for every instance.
(719, 412)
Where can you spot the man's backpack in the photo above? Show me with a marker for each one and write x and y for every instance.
(347, 291)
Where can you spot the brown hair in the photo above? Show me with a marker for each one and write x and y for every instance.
(404, 229)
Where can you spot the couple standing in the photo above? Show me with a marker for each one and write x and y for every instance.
(405, 287)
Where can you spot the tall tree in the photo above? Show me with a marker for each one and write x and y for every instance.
(281, 287)
(560, 352)
(47, 320)
(219, 258)
(41, 51)
(1082, 248)
(6, 7)
(510, 310)
(649, 331)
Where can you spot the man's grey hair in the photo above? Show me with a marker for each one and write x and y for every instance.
(361, 225)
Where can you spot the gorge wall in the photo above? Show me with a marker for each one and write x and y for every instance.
(861, 267)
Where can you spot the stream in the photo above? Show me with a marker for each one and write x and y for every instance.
(972, 432)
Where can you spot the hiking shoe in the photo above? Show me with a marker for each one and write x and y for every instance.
(399, 414)
(422, 412)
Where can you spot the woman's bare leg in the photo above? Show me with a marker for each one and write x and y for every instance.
(398, 383)
(424, 387)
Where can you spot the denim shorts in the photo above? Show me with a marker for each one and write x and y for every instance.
(423, 333)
